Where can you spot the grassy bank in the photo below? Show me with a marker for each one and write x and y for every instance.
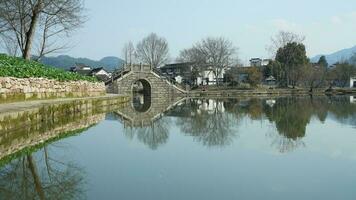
(20, 68)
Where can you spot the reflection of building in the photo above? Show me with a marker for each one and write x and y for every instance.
(270, 102)
(352, 99)
(211, 105)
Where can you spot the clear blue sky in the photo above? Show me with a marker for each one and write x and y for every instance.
(328, 25)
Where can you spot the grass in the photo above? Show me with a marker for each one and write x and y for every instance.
(20, 68)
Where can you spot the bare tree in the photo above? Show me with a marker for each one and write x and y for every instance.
(129, 53)
(216, 53)
(281, 39)
(24, 20)
(153, 50)
(10, 45)
(314, 76)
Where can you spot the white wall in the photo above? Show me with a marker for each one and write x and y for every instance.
(352, 80)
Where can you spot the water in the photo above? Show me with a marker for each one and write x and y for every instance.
(281, 148)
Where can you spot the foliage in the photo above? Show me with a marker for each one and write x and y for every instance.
(20, 68)
(293, 59)
(281, 39)
(38, 24)
(314, 76)
(216, 53)
(254, 77)
(274, 68)
(341, 74)
(322, 62)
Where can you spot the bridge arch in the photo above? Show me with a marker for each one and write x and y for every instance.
(161, 87)
(141, 95)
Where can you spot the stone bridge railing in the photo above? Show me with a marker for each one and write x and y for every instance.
(123, 80)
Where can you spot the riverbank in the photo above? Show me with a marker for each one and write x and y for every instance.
(223, 92)
(24, 80)
(28, 124)
(33, 105)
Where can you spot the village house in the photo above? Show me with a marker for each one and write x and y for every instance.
(185, 73)
(353, 82)
(258, 62)
(100, 73)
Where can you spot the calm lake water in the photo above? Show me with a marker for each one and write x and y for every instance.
(281, 148)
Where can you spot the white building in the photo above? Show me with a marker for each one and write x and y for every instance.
(353, 82)
(209, 77)
(258, 62)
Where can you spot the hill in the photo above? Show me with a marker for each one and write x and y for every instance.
(342, 55)
(66, 62)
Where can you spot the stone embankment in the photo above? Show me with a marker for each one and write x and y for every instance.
(20, 89)
(27, 124)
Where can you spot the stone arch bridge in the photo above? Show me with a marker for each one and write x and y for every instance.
(154, 84)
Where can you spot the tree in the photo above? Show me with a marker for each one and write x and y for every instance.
(293, 59)
(153, 50)
(315, 76)
(254, 77)
(281, 39)
(323, 62)
(10, 45)
(353, 59)
(216, 53)
(274, 68)
(341, 73)
(31, 21)
(129, 53)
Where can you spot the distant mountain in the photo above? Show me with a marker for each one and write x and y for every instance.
(342, 55)
(66, 62)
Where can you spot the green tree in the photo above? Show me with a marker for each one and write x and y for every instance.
(293, 59)
(274, 68)
(322, 62)
(254, 77)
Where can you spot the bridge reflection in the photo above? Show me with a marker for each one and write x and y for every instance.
(217, 122)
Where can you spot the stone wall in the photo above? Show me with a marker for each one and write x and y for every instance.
(37, 125)
(18, 89)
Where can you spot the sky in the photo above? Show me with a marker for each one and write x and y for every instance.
(328, 25)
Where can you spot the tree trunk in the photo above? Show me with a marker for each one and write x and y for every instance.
(36, 177)
(31, 31)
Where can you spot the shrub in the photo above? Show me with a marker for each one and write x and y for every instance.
(20, 68)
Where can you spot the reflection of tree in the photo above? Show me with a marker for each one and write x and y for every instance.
(153, 136)
(290, 121)
(40, 176)
(211, 127)
(289, 117)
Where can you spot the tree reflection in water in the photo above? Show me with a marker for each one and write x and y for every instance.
(215, 122)
(153, 135)
(41, 176)
(212, 122)
(208, 123)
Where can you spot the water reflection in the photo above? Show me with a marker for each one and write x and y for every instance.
(207, 122)
(153, 135)
(41, 176)
(216, 122)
